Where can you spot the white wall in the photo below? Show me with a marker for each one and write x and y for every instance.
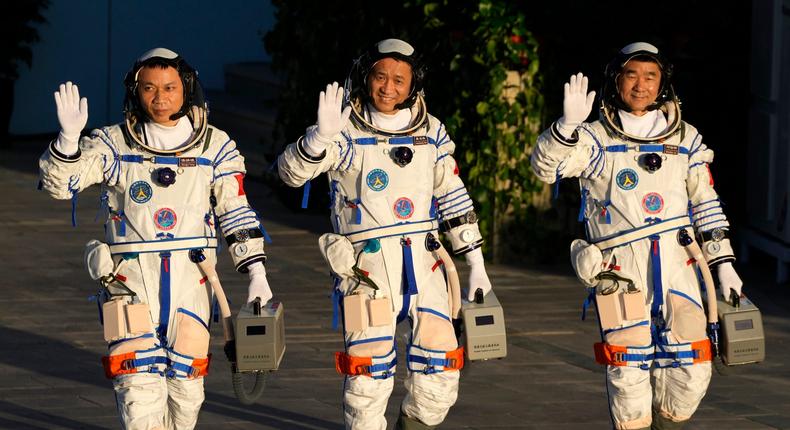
(93, 43)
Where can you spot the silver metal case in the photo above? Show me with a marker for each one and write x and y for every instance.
(742, 335)
(484, 329)
(260, 339)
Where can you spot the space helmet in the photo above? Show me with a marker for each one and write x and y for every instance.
(193, 92)
(666, 99)
(356, 84)
(640, 51)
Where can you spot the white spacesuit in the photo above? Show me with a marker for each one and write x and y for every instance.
(644, 178)
(170, 182)
(393, 183)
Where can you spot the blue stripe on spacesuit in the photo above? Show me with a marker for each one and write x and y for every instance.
(685, 296)
(149, 361)
(722, 220)
(73, 188)
(410, 286)
(219, 157)
(706, 202)
(452, 192)
(697, 213)
(642, 148)
(193, 315)
(441, 139)
(590, 299)
(247, 221)
(694, 150)
(180, 239)
(611, 330)
(233, 210)
(357, 211)
(116, 342)
(658, 289)
(346, 153)
(583, 204)
(305, 194)
(441, 156)
(129, 158)
(164, 297)
(353, 154)
(122, 224)
(232, 172)
(369, 340)
(234, 217)
(598, 158)
(337, 299)
(116, 168)
(235, 156)
(401, 140)
(701, 163)
(464, 196)
(246, 212)
(698, 219)
(447, 213)
(431, 311)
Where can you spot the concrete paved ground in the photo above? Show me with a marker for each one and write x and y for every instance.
(50, 339)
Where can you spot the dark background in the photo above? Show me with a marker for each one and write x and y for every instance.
(708, 43)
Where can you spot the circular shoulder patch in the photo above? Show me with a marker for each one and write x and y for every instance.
(652, 203)
(165, 219)
(627, 179)
(377, 180)
(404, 208)
(141, 192)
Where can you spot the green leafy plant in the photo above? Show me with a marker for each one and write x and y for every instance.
(496, 111)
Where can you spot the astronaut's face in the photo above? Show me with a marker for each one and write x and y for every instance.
(638, 85)
(161, 93)
(390, 84)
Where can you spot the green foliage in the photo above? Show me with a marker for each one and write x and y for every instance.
(483, 82)
(492, 90)
(17, 34)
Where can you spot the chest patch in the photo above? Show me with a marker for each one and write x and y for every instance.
(165, 219)
(377, 180)
(140, 192)
(404, 208)
(652, 203)
(627, 179)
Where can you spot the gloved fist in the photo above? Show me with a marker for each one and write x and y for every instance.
(259, 286)
(728, 279)
(332, 118)
(72, 115)
(576, 105)
(478, 278)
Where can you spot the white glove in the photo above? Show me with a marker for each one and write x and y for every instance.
(576, 105)
(72, 115)
(332, 119)
(478, 278)
(259, 286)
(587, 261)
(728, 279)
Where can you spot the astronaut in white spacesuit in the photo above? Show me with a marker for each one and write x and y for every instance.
(170, 182)
(394, 184)
(645, 183)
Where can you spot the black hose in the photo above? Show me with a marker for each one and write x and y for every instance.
(248, 397)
